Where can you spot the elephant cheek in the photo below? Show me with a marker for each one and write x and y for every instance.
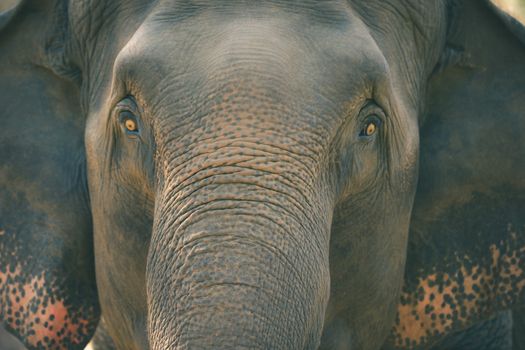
(33, 309)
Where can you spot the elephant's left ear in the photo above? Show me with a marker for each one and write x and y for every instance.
(477, 91)
(512, 12)
(8, 10)
(481, 73)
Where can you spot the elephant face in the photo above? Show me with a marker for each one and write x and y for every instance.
(251, 166)
(245, 170)
(226, 148)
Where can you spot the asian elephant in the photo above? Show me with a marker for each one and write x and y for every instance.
(242, 174)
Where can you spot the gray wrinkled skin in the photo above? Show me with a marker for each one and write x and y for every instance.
(247, 172)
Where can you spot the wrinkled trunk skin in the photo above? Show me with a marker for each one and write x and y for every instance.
(239, 253)
(239, 265)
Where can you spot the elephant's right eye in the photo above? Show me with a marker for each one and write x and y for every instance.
(129, 122)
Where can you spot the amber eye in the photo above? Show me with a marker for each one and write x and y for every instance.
(129, 122)
(131, 125)
(369, 128)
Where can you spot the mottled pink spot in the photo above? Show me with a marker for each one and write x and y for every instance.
(31, 308)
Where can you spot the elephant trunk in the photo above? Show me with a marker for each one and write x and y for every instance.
(237, 261)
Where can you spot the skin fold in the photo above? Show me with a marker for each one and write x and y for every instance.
(243, 174)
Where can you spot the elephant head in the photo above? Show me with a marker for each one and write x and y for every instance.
(251, 166)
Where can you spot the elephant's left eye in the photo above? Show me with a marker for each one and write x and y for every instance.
(129, 122)
(370, 127)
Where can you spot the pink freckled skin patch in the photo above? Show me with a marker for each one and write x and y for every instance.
(439, 306)
(32, 311)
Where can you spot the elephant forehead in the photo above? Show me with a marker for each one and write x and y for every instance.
(185, 63)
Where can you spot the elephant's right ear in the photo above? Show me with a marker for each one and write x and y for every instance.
(481, 74)
(8, 10)
(48, 295)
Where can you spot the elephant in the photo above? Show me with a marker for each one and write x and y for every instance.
(274, 174)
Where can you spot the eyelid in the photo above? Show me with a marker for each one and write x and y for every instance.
(372, 108)
(126, 114)
(374, 118)
(128, 103)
